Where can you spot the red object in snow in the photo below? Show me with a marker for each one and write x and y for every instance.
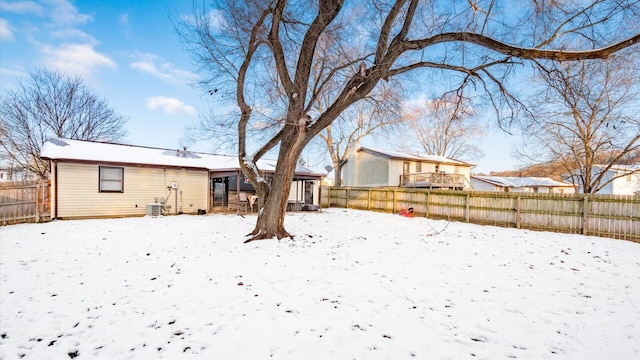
(407, 212)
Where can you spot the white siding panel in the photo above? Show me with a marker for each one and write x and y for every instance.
(373, 170)
(395, 171)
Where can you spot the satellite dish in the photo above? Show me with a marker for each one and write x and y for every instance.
(328, 168)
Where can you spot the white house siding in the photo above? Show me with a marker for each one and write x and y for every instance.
(349, 171)
(395, 171)
(627, 185)
(372, 170)
(479, 185)
(78, 195)
(367, 167)
(463, 170)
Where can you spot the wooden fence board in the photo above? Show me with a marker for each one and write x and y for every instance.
(600, 215)
(24, 202)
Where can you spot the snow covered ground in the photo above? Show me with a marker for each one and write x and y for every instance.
(352, 285)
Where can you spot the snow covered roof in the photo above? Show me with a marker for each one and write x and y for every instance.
(93, 151)
(517, 182)
(415, 157)
(621, 168)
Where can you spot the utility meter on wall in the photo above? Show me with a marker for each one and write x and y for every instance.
(174, 185)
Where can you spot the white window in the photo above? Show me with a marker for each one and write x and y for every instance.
(111, 179)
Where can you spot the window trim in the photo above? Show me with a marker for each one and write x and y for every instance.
(100, 190)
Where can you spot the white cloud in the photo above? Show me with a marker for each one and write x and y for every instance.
(70, 33)
(170, 105)
(76, 59)
(161, 69)
(5, 30)
(124, 19)
(22, 7)
(214, 17)
(12, 72)
(414, 103)
(66, 14)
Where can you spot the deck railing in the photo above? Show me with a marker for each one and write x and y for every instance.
(433, 180)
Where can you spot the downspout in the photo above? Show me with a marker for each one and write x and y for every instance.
(55, 189)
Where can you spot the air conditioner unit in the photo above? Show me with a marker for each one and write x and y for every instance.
(154, 209)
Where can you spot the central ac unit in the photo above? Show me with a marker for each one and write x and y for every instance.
(154, 209)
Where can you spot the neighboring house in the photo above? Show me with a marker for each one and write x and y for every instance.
(12, 173)
(626, 182)
(374, 167)
(94, 179)
(520, 184)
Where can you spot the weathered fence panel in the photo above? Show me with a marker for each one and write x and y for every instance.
(600, 215)
(24, 202)
(487, 209)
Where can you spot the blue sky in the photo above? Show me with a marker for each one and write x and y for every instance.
(129, 53)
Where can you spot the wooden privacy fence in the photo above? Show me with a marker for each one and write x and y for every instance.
(615, 216)
(24, 202)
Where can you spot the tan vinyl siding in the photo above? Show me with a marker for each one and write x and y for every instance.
(429, 167)
(79, 196)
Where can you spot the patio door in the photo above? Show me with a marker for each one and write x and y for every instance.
(308, 192)
(218, 193)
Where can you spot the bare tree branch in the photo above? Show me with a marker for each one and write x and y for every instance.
(584, 118)
(344, 49)
(50, 104)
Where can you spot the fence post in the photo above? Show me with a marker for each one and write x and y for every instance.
(585, 213)
(426, 210)
(38, 202)
(346, 198)
(394, 201)
(369, 200)
(518, 213)
(467, 205)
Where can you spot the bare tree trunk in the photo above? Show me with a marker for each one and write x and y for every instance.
(270, 221)
(337, 172)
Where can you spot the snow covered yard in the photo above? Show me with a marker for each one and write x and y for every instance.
(352, 285)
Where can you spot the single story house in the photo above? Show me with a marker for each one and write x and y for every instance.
(520, 184)
(626, 179)
(371, 167)
(95, 179)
